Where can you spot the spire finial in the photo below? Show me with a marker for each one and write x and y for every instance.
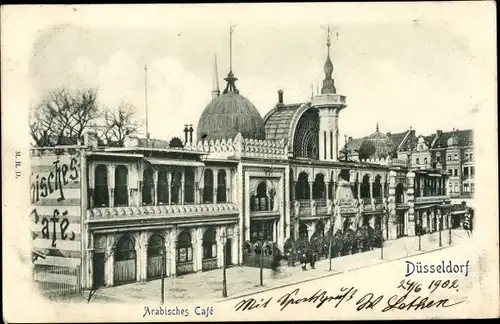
(230, 77)
(377, 126)
(215, 85)
(328, 83)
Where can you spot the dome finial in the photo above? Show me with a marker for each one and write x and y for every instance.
(215, 85)
(328, 83)
(231, 86)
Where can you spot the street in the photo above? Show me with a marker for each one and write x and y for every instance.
(241, 281)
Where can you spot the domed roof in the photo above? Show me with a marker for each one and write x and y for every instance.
(229, 114)
(377, 145)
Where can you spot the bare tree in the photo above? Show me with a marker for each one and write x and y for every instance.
(63, 116)
(175, 142)
(119, 123)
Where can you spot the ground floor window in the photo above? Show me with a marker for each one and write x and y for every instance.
(209, 244)
(184, 247)
(261, 230)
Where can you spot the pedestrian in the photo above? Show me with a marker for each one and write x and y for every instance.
(303, 261)
(313, 259)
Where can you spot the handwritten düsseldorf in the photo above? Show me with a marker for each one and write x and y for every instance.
(347, 295)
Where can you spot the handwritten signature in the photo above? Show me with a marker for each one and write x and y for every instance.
(369, 301)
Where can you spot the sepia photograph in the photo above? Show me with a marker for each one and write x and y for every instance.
(218, 162)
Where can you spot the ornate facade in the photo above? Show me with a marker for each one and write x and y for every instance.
(200, 204)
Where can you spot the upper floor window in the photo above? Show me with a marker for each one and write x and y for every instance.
(261, 201)
(455, 172)
(438, 159)
(189, 186)
(121, 186)
(455, 156)
(208, 189)
(471, 170)
(101, 193)
(466, 171)
(148, 186)
(449, 157)
(425, 160)
(221, 186)
(417, 161)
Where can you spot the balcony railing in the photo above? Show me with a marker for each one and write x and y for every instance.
(432, 199)
(159, 211)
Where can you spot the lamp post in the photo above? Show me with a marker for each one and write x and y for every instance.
(330, 237)
(224, 281)
(163, 268)
(449, 226)
(261, 260)
(382, 232)
(419, 228)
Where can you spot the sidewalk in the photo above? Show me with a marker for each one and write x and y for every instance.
(242, 281)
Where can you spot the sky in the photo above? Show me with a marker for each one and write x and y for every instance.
(398, 66)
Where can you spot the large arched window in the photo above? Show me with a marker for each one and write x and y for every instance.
(208, 187)
(302, 186)
(319, 190)
(156, 245)
(377, 187)
(365, 186)
(221, 186)
(125, 249)
(209, 244)
(101, 193)
(121, 186)
(189, 187)
(176, 187)
(163, 187)
(306, 139)
(400, 193)
(260, 199)
(184, 247)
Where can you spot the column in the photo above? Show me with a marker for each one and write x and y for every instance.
(371, 188)
(431, 225)
(334, 190)
(392, 222)
(216, 176)
(111, 185)
(183, 180)
(139, 193)
(173, 251)
(310, 229)
(438, 220)
(294, 183)
(138, 257)
(220, 245)
(359, 190)
(228, 186)
(155, 190)
(169, 186)
(197, 238)
(109, 265)
(311, 192)
(422, 184)
(371, 222)
(383, 190)
(89, 274)
(327, 187)
(167, 251)
(409, 215)
(144, 256)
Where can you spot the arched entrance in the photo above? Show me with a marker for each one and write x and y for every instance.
(209, 250)
(125, 261)
(303, 233)
(156, 248)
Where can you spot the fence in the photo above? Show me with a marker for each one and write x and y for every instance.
(57, 280)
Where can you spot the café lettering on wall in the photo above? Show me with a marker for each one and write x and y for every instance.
(56, 212)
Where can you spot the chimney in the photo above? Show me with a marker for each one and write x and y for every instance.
(186, 130)
(280, 96)
(191, 130)
(350, 138)
(439, 132)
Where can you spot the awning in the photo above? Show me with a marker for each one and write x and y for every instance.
(174, 162)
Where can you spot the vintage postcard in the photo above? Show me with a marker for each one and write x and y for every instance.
(236, 162)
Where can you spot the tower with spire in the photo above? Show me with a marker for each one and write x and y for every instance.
(329, 103)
